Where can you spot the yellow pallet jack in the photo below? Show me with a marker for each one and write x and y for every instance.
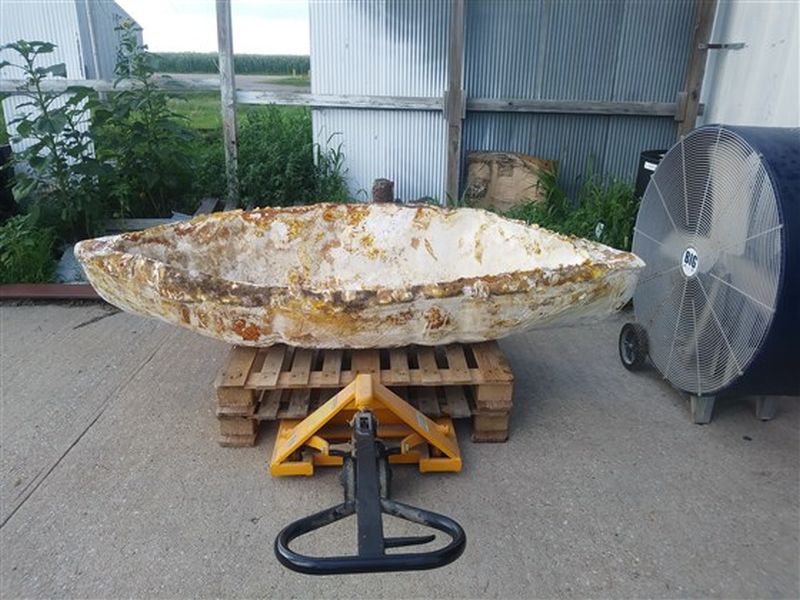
(365, 428)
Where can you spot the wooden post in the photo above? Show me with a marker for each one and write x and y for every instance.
(696, 68)
(227, 85)
(454, 100)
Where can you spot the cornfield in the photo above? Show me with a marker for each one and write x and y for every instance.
(206, 62)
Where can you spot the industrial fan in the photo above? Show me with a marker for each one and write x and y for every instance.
(717, 307)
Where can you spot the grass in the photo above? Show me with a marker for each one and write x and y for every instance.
(300, 81)
(202, 109)
(3, 132)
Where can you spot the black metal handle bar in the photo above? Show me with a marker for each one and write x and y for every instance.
(365, 477)
(414, 561)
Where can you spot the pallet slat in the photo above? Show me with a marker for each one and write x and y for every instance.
(270, 403)
(331, 368)
(458, 371)
(366, 361)
(427, 402)
(457, 404)
(428, 366)
(301, 367)
(271, 369)
(491, 362)
(398, 367)
(298, 404)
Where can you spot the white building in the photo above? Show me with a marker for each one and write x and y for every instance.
(82, 30)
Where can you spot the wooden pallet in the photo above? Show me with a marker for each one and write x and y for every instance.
(282, 382)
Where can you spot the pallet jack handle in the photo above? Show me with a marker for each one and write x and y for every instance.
(365, 477)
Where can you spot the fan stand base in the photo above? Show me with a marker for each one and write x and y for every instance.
(765, 407)
(702, 408)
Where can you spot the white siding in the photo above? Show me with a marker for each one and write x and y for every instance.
(34, 20)
(65, 24)
(759, 84)
(391, 48)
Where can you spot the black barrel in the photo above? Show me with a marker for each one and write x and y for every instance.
(648, 161)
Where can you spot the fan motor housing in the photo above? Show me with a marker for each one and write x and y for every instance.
(719, 226)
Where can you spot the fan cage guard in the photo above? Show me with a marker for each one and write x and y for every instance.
(710, 232)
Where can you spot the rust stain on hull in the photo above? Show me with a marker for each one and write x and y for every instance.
(358, 276)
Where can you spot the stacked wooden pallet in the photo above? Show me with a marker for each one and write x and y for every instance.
(282, 382)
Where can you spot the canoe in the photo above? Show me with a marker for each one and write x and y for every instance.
(357, 275)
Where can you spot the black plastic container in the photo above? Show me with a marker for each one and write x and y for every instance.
(648, 161)
(7, 204)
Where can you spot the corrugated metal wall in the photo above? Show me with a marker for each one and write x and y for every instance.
(104, 17)
(383, 48)
(31, 20)
(65, 24)
(550, 50)
(624, 50)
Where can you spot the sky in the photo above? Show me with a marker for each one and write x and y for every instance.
(259, 26)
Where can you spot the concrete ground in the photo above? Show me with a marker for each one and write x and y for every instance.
(111, 483)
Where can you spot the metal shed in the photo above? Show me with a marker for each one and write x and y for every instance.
(82, 30)
(580, 82)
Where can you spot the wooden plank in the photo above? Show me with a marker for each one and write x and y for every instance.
(696, 68)
(356, 101)
(237, 368)
(491, 362)
(458, 371)
(490, 423)
(298, 404)
(426, 358)
(426, 103)
(270, 403)
(235, 398)
(457, 404)
(316, 380)
(398, 367)
(227, 86)
(366, 361)
(301, 367)
(207, 205)
(454, 101)
(494, 396)
(427, 402)
(489, 436)
(224, 410)
(237, 441)
(331, 368)
(572, 107)
(237, 425)
(271, 369)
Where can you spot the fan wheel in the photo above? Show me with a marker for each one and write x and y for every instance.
(633, 346)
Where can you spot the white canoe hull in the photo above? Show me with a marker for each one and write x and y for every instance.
(358, 276)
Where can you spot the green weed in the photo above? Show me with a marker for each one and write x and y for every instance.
(26, 251)
(207, 62)
(605, 210)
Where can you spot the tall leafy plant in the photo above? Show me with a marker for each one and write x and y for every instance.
(26, 251)
(147, 142)
(605, 209)
(56, 169)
